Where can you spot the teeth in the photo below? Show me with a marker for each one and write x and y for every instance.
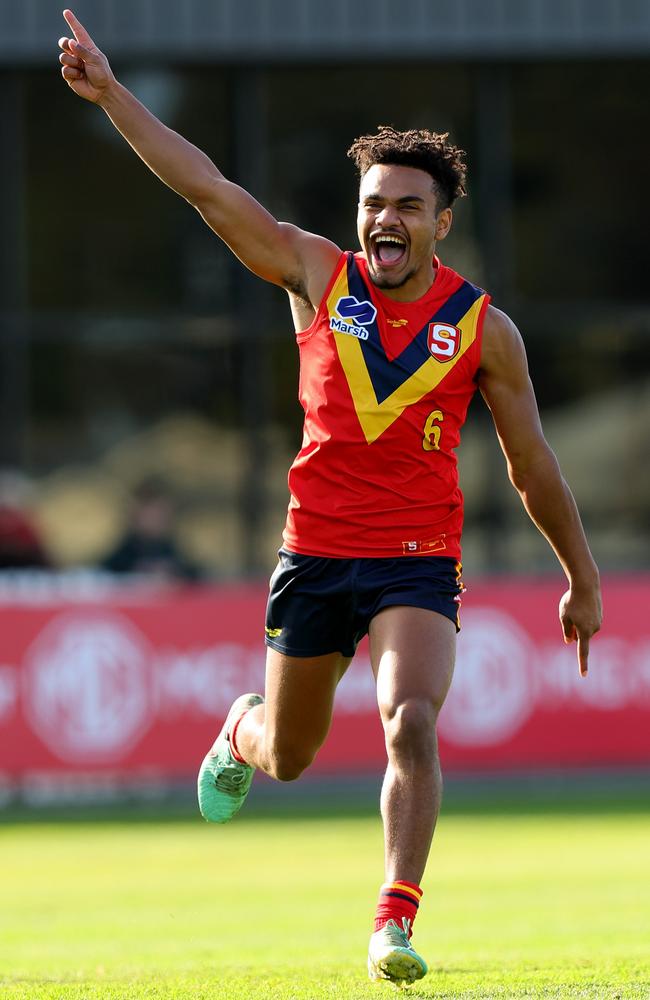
(390, 239)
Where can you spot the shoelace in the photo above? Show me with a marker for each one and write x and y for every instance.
(401, 934)
(230, 779)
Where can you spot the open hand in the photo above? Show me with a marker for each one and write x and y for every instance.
(581, 616)
(84, 68)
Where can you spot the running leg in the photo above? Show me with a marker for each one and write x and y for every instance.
(412, 653)
(283, 735)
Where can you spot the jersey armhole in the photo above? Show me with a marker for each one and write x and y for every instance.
(302, 335)
(478, 342)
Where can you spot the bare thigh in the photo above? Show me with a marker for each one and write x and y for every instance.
(412, 651)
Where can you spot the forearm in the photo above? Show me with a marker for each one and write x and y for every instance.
(535, 474)
(275, 251)
(551, 506)
(178, 163)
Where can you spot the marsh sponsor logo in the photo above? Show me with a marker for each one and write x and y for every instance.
(362, 312)
(341, 326)
(352, 317)
(88, 688)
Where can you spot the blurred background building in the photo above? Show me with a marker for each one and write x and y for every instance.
(132, 344)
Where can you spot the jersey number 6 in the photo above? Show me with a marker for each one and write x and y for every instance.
(432, 431)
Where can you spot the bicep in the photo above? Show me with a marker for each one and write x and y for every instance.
(507, 389)
(275, 251)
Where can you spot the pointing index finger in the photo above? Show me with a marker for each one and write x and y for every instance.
(78, 30)
(583, 654)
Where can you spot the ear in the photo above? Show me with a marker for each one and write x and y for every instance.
(443, 223)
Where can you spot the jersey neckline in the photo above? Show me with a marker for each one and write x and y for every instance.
(440, 288)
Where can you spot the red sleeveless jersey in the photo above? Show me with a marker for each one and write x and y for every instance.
(385, 387)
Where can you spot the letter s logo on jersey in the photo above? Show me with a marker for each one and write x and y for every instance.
(443, 341)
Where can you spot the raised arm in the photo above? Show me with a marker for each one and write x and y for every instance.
(278, 252)
(535, 474)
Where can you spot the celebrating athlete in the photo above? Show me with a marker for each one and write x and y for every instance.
(392, 347)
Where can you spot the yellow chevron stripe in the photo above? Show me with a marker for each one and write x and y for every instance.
(339, 290)
(376, 417)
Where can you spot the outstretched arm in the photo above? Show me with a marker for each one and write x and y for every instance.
(283, 254)
(535, 474)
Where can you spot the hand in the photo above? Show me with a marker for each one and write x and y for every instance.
(581, 615)
(84, 68)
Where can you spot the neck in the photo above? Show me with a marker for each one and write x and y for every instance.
(414, 287)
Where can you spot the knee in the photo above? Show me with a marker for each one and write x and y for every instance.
(287, 763)
(410, 728)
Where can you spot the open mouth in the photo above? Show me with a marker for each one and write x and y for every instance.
(388, 249)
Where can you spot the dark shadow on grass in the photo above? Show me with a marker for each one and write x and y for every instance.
(571, 793)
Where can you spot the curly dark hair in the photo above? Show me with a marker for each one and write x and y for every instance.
(420, 148)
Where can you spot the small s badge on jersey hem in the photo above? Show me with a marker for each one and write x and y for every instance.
(416, 547)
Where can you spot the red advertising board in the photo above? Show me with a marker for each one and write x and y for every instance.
(136, 684)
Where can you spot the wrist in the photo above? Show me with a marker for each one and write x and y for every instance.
(109, 95)
(587, 578)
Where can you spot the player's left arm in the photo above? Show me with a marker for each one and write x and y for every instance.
(534, 472)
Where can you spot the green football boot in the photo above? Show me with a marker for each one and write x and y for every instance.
(391, 955)
(223, 782)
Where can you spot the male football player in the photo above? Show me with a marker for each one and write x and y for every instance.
(392, 346)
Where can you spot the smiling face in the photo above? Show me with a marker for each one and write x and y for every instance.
(398, 224)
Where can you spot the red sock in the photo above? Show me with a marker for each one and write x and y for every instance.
(397, 900)
(232, 737)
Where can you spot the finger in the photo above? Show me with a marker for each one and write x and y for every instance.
(69, 73)
(84, 54)
(78, 29)
(583, 654)
(67, 60)
(64, 43)
(569, 630)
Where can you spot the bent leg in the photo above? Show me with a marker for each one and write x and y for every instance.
(412, 653)
(283, 735)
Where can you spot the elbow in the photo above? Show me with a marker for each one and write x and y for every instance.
(517, 477)
(524, 480)
(534, 472)
(202, 193)
(519, 471)
(197, 196)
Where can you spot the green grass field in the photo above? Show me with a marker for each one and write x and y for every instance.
(547, 903)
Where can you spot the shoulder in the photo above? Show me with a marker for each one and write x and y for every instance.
(318, 258)
(502, 344)
(499, 329)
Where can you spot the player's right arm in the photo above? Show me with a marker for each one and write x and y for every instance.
(278, 252)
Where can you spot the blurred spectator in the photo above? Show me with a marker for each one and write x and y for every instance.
(148, 546)
(21, 546)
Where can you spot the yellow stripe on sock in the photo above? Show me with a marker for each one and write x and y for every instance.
(417, 893)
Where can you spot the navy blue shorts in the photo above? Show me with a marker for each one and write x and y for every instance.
(319, 605)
